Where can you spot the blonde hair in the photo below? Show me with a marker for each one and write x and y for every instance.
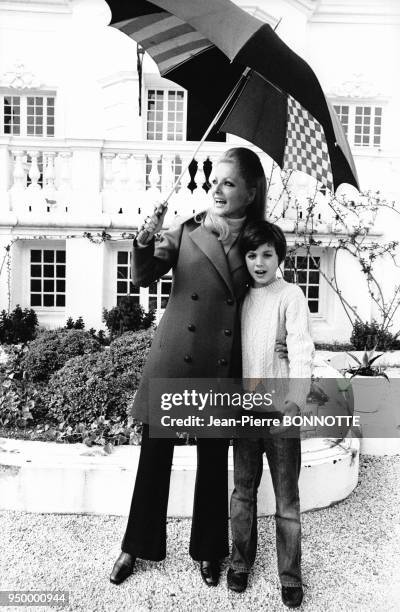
(253, 174)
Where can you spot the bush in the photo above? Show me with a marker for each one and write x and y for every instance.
(53, 348)
(127, 316)
(71, 324)
(334, 346)
(20, 400)
(92, 393)
(18, 325)
(370, 335)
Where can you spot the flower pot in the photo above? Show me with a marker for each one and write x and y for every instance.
(375, 403)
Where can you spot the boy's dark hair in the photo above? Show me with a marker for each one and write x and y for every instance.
(257, 233)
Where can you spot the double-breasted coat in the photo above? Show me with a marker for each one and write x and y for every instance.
(199, 333)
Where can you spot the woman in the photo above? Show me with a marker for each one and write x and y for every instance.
(198, 337)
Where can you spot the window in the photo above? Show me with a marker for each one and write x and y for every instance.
(124, 278)
(362, 124)
(27, 115)
(159, 293)
(12, 115)
(166, 114)
(47, 278)
(304, 271)
(155, 296)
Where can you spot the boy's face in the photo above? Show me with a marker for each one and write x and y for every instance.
(262, 264)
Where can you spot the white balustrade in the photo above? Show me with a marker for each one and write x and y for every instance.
(50, 179)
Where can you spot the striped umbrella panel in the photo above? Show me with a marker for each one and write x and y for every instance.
(169, 40)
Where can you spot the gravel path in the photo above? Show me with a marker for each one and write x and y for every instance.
(351, 558)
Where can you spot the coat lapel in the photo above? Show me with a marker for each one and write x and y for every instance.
(214, 251)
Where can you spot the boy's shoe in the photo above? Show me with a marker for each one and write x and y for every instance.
(237, 581)
(292, 596)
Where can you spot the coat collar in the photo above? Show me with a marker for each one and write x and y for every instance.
(214, 251)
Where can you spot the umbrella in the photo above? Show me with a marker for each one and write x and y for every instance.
(213, 48)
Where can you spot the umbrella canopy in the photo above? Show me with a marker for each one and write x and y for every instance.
(205, 46)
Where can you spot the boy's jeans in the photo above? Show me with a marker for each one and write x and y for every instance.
(284, 458)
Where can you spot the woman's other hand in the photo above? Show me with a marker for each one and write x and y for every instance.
(152, 224)
(281, 349)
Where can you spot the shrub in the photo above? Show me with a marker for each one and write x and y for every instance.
(370, 335)
(97, 389)
(71, 324)
(18, 325)
(334, 346)
(127, 316)
(53, 348)
(19, 398)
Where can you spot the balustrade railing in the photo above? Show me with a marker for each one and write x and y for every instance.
(122, 181)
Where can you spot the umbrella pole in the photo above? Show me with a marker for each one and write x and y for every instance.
(143, 234)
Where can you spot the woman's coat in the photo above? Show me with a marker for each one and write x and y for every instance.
(199, 333)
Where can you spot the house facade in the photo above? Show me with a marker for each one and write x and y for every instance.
(86, 149)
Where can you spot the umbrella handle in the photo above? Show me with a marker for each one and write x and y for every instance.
(143, 234)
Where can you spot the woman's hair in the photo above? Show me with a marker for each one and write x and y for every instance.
(257, 233)
(251, 170)
(254, 176)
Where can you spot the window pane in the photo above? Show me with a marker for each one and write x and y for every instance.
(60, 256)
(48, 286)
(48, 256)
(60, 286)
(36, 299)
(48, 300)
(36, 285)
(60, 271)
(36, 255)
(36, 271)
(48, 271)
(122, 257)
(60, 301)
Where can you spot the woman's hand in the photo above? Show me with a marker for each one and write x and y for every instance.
(152, 224)
(281, 349)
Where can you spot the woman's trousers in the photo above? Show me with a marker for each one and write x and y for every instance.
(146, 535)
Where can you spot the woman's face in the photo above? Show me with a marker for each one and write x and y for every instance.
(229, 191)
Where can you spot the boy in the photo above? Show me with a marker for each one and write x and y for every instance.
(273, 310)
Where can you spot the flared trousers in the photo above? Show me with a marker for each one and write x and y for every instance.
(146, 532)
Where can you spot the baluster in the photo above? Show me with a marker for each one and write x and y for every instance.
(193, 167)
(123, 173)
(108, 174)
(154, 175)
(139, 172)
(19, 173)
(167, 174)
(207, 169)
(34, 172)
(65, 178)
(49, 176)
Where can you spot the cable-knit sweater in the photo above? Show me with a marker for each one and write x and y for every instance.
(278, 311)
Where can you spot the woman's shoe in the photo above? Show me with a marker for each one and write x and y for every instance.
(210, 571)
(292, 596)
(123, 568)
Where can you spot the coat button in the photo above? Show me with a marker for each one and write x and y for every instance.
(229, 301)
(228, 332)
(187, 358)
(191, 327)
(222, 362)
(194, 296)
